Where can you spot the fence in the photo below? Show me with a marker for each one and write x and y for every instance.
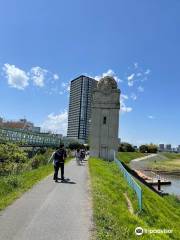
(131, 182)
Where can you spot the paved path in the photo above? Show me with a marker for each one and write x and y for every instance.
(51, 211)
(145, 157)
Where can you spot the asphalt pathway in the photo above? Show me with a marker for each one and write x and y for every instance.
(51, 211)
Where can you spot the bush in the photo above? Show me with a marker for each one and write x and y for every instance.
(15, 160)
(13, 181)
(35, 163)
(11, 152)
(40, 159)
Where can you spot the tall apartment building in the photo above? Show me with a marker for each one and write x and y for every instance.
(161, 147)
(80, 107)
(168, 148)
(178, 148)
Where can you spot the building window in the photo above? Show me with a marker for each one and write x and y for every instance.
(104, 120)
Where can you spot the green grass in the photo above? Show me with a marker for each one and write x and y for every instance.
(13, 186)
(171, 155)
(113, 221)
(165, 162)
(126, 157)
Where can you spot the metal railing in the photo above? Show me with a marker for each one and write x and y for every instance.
(26, 138)
(132, 183)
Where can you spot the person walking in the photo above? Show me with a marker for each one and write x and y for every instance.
(78, 156)
(59, 157)
(82, 155)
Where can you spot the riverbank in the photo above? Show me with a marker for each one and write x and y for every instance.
(166, 162)
(161, 162)
(127, 157)
(114, 221)
(163, 165)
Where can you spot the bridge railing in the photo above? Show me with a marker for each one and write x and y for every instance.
(132, 183)
(27, 138)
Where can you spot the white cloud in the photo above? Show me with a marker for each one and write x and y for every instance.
(38, 76)
(17, 78)
(140, 89)
(133, 96)
(55, 76)
(56, 123)
(136, 65)
(124, 108)
(111, 73)
(123, 96)
(130, 79)
(66, 86)
(147, 72)
(139, 74)
(63, 84)
(151, 117)
(20, 79)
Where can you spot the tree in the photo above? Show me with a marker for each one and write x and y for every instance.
(75, 145)
(152, 148)
(148, 148)
(125, 147)
(143, 148)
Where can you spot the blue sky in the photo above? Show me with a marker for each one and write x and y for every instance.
(44, 44)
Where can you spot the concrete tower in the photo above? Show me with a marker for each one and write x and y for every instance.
(105, 119)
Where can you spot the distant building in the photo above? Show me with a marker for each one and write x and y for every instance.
(161, 147)
(60, 136)
(35, 129)
(178, 148)
(22, 124)
(168, 148)
(1, 121)
(135, 147)
(79, 115)
(174, 149)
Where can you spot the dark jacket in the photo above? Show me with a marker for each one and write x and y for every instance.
(60, 155)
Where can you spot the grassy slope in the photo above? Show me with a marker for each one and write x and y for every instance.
(171, 155)
(112, 218)
(126, 157)
(170, 162)
(25, 181)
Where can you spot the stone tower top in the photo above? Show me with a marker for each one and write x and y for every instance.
(107, 83)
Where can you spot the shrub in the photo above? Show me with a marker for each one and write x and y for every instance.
(13, 181)
(11, 152)
(40, 159)
(35, 163)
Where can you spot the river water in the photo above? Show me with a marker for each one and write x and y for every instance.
(174, 188)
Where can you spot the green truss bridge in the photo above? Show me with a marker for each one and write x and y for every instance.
(29, 139)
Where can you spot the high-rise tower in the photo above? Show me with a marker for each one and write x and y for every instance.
(80, 107)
